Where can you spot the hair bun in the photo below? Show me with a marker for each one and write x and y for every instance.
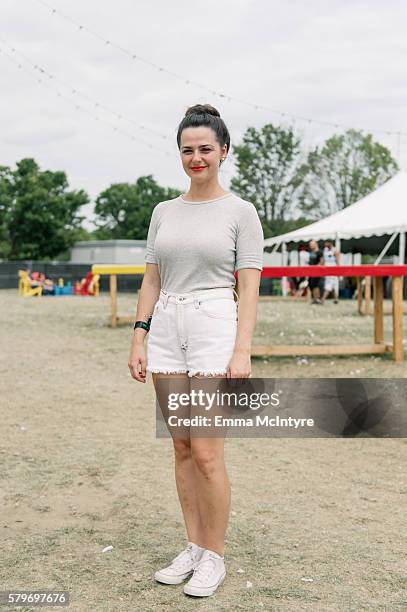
(202, 109)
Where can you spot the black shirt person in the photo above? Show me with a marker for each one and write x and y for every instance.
(316, 284)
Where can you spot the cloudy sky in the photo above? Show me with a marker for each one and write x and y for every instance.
(340, 62)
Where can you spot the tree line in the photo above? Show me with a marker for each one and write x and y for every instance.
(40, 217)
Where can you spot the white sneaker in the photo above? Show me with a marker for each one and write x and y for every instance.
(208, 575)
(182, 566)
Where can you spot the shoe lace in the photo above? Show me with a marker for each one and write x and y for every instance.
(184, 558)
(204, 568)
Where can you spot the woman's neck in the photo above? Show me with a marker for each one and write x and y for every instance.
(204, 192)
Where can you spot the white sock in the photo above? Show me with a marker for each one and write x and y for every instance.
(196, 548)
(217, 555)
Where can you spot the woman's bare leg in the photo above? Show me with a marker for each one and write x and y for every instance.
(213, 489)
(185, 477)
(186, 482)
(212, 482)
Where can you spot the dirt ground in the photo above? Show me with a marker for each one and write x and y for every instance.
(316, 524)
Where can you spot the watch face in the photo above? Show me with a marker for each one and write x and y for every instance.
(141, 324)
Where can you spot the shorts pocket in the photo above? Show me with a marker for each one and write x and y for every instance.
(158, 312)
(159, 321)
(224, 309)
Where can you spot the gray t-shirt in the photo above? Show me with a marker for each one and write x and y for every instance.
(199, 245)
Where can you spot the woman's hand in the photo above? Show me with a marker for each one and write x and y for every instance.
(138, 361)
(239, 366)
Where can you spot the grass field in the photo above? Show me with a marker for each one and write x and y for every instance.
(316, 524)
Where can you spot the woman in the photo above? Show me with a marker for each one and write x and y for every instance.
(195, 244)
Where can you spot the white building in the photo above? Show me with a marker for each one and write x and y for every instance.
(133, 252)
(129, 252)
(109, 252)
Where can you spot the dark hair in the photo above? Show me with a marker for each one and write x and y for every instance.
(205, 114)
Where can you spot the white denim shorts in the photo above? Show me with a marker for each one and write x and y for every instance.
(192, 332)
(331, 283)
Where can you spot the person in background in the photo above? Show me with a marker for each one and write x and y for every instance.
(48, 287)
(303, 255)
(34, 278)
(331, 258)
(302, 281)
(316, 284)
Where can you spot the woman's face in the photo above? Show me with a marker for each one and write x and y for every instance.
(201, 153)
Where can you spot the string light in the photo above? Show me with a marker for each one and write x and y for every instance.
(76, 91)
(82, 108)
(201, 86)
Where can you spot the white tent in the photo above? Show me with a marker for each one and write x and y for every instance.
(375, 224)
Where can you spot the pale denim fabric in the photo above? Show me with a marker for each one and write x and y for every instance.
(192, 333)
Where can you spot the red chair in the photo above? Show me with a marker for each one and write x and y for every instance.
(88, 286)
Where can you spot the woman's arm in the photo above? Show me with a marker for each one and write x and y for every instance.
(148, 296)
(249, 281)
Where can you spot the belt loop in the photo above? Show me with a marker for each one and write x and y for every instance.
(165, 300)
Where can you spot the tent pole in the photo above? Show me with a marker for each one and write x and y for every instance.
(402, 248)
(284, 262)
(387, 246)
(338, 243)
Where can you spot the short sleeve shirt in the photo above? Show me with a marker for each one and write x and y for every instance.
(200, 245)
(315, 257)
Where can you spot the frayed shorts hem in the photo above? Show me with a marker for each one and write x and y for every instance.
(206, 372)
(165, 371)
(189, 372)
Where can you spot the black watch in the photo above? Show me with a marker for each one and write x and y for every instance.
(143, 324)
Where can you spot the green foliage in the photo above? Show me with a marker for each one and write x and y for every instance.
(124, 210)
(38, 215)
(346, 168)
(289, 225)
(6, 200)
(267, 173)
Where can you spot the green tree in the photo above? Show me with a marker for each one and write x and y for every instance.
(6, 200)
(267, 164)
(38, 215)
(346, 168)
(124, 210)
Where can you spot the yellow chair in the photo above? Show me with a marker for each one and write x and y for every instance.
(22, 274)
(24, 285)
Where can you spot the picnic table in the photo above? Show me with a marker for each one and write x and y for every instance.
(378, 346)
